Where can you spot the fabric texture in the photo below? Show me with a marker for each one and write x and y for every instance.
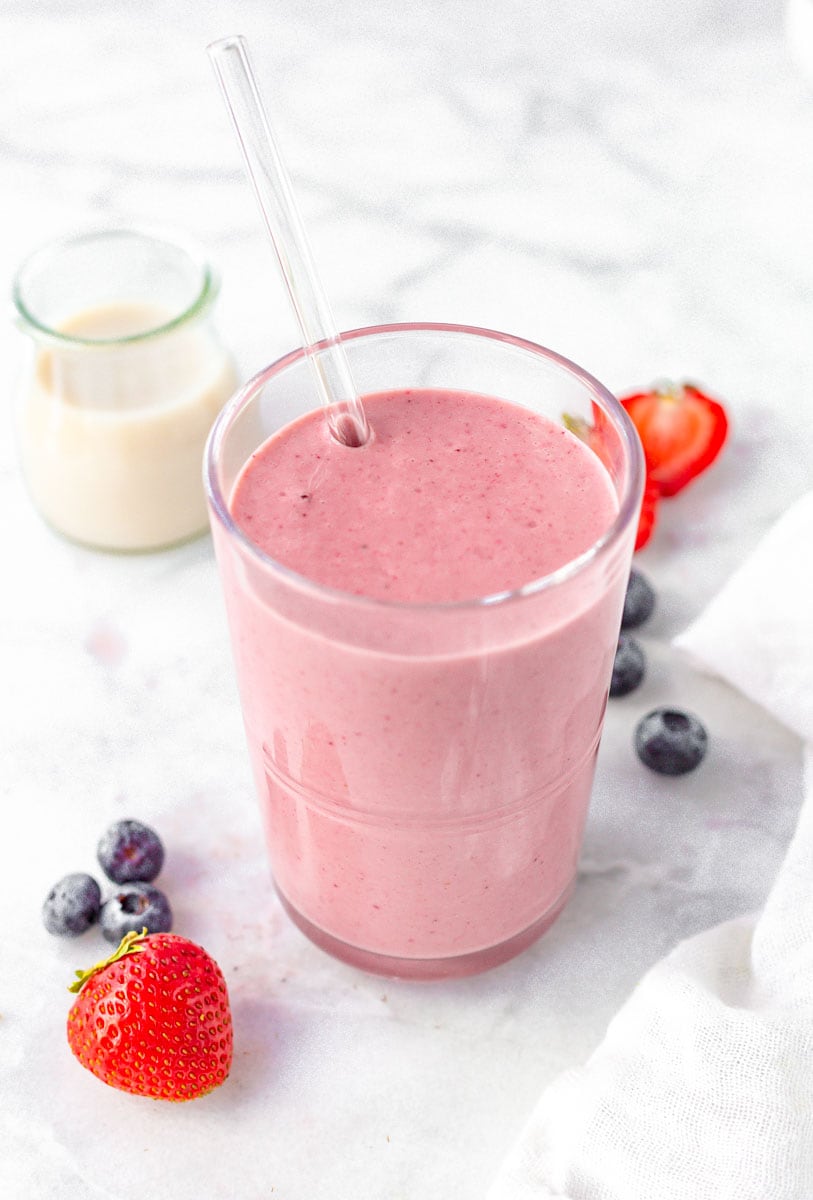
(703, 1085)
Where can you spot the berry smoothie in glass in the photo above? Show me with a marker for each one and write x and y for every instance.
(423, 629)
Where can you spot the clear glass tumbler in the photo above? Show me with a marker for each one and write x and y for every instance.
(125, 376)
(424, 770)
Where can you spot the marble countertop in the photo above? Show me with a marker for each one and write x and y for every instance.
(631, 185)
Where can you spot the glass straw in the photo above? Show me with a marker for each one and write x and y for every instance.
(272, 187)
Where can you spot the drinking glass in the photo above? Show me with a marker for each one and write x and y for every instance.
(424, 770)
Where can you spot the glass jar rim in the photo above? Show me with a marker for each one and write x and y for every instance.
(205, 295)
(627, 507)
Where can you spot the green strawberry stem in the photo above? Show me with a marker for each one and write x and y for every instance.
(128, 945)
(577, 426)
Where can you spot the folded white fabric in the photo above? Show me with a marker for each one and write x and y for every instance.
(758, 631)
(703, 1086)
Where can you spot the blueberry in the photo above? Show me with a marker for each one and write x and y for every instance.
(130, 851)
(638, 602)
(134, 906)
(72, 905)
(629, 666)
(670, 742)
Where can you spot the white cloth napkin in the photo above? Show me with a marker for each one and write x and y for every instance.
(703, 1086)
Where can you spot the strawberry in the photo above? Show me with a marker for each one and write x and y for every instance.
(595, 437)
(682, 431)
(649, 508)
(153, 1018)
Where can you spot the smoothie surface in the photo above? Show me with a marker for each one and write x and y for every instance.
(456, 496)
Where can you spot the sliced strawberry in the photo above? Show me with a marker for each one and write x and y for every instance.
(682, 431)
(649, 510)
(596, 436)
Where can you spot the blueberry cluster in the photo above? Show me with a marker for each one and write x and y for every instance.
(131, 855)
(666, 740)
(629, 667)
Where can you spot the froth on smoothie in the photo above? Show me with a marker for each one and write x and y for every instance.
(456, 496)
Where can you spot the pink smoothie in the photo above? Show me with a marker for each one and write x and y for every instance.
(425, 773)
(457, 496)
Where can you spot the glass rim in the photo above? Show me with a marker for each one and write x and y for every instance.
(627, 508)
(205, 294)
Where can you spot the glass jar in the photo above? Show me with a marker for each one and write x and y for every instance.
(125, 377)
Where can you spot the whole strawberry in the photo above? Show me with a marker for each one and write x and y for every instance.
(154, 1018)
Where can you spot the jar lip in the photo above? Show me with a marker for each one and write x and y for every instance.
(629, 500)
(203, 299)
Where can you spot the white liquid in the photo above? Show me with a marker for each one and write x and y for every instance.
(112, 435)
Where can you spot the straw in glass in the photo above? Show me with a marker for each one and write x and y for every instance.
(272, 188)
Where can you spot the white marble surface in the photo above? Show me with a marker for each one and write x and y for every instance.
(630, 184)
